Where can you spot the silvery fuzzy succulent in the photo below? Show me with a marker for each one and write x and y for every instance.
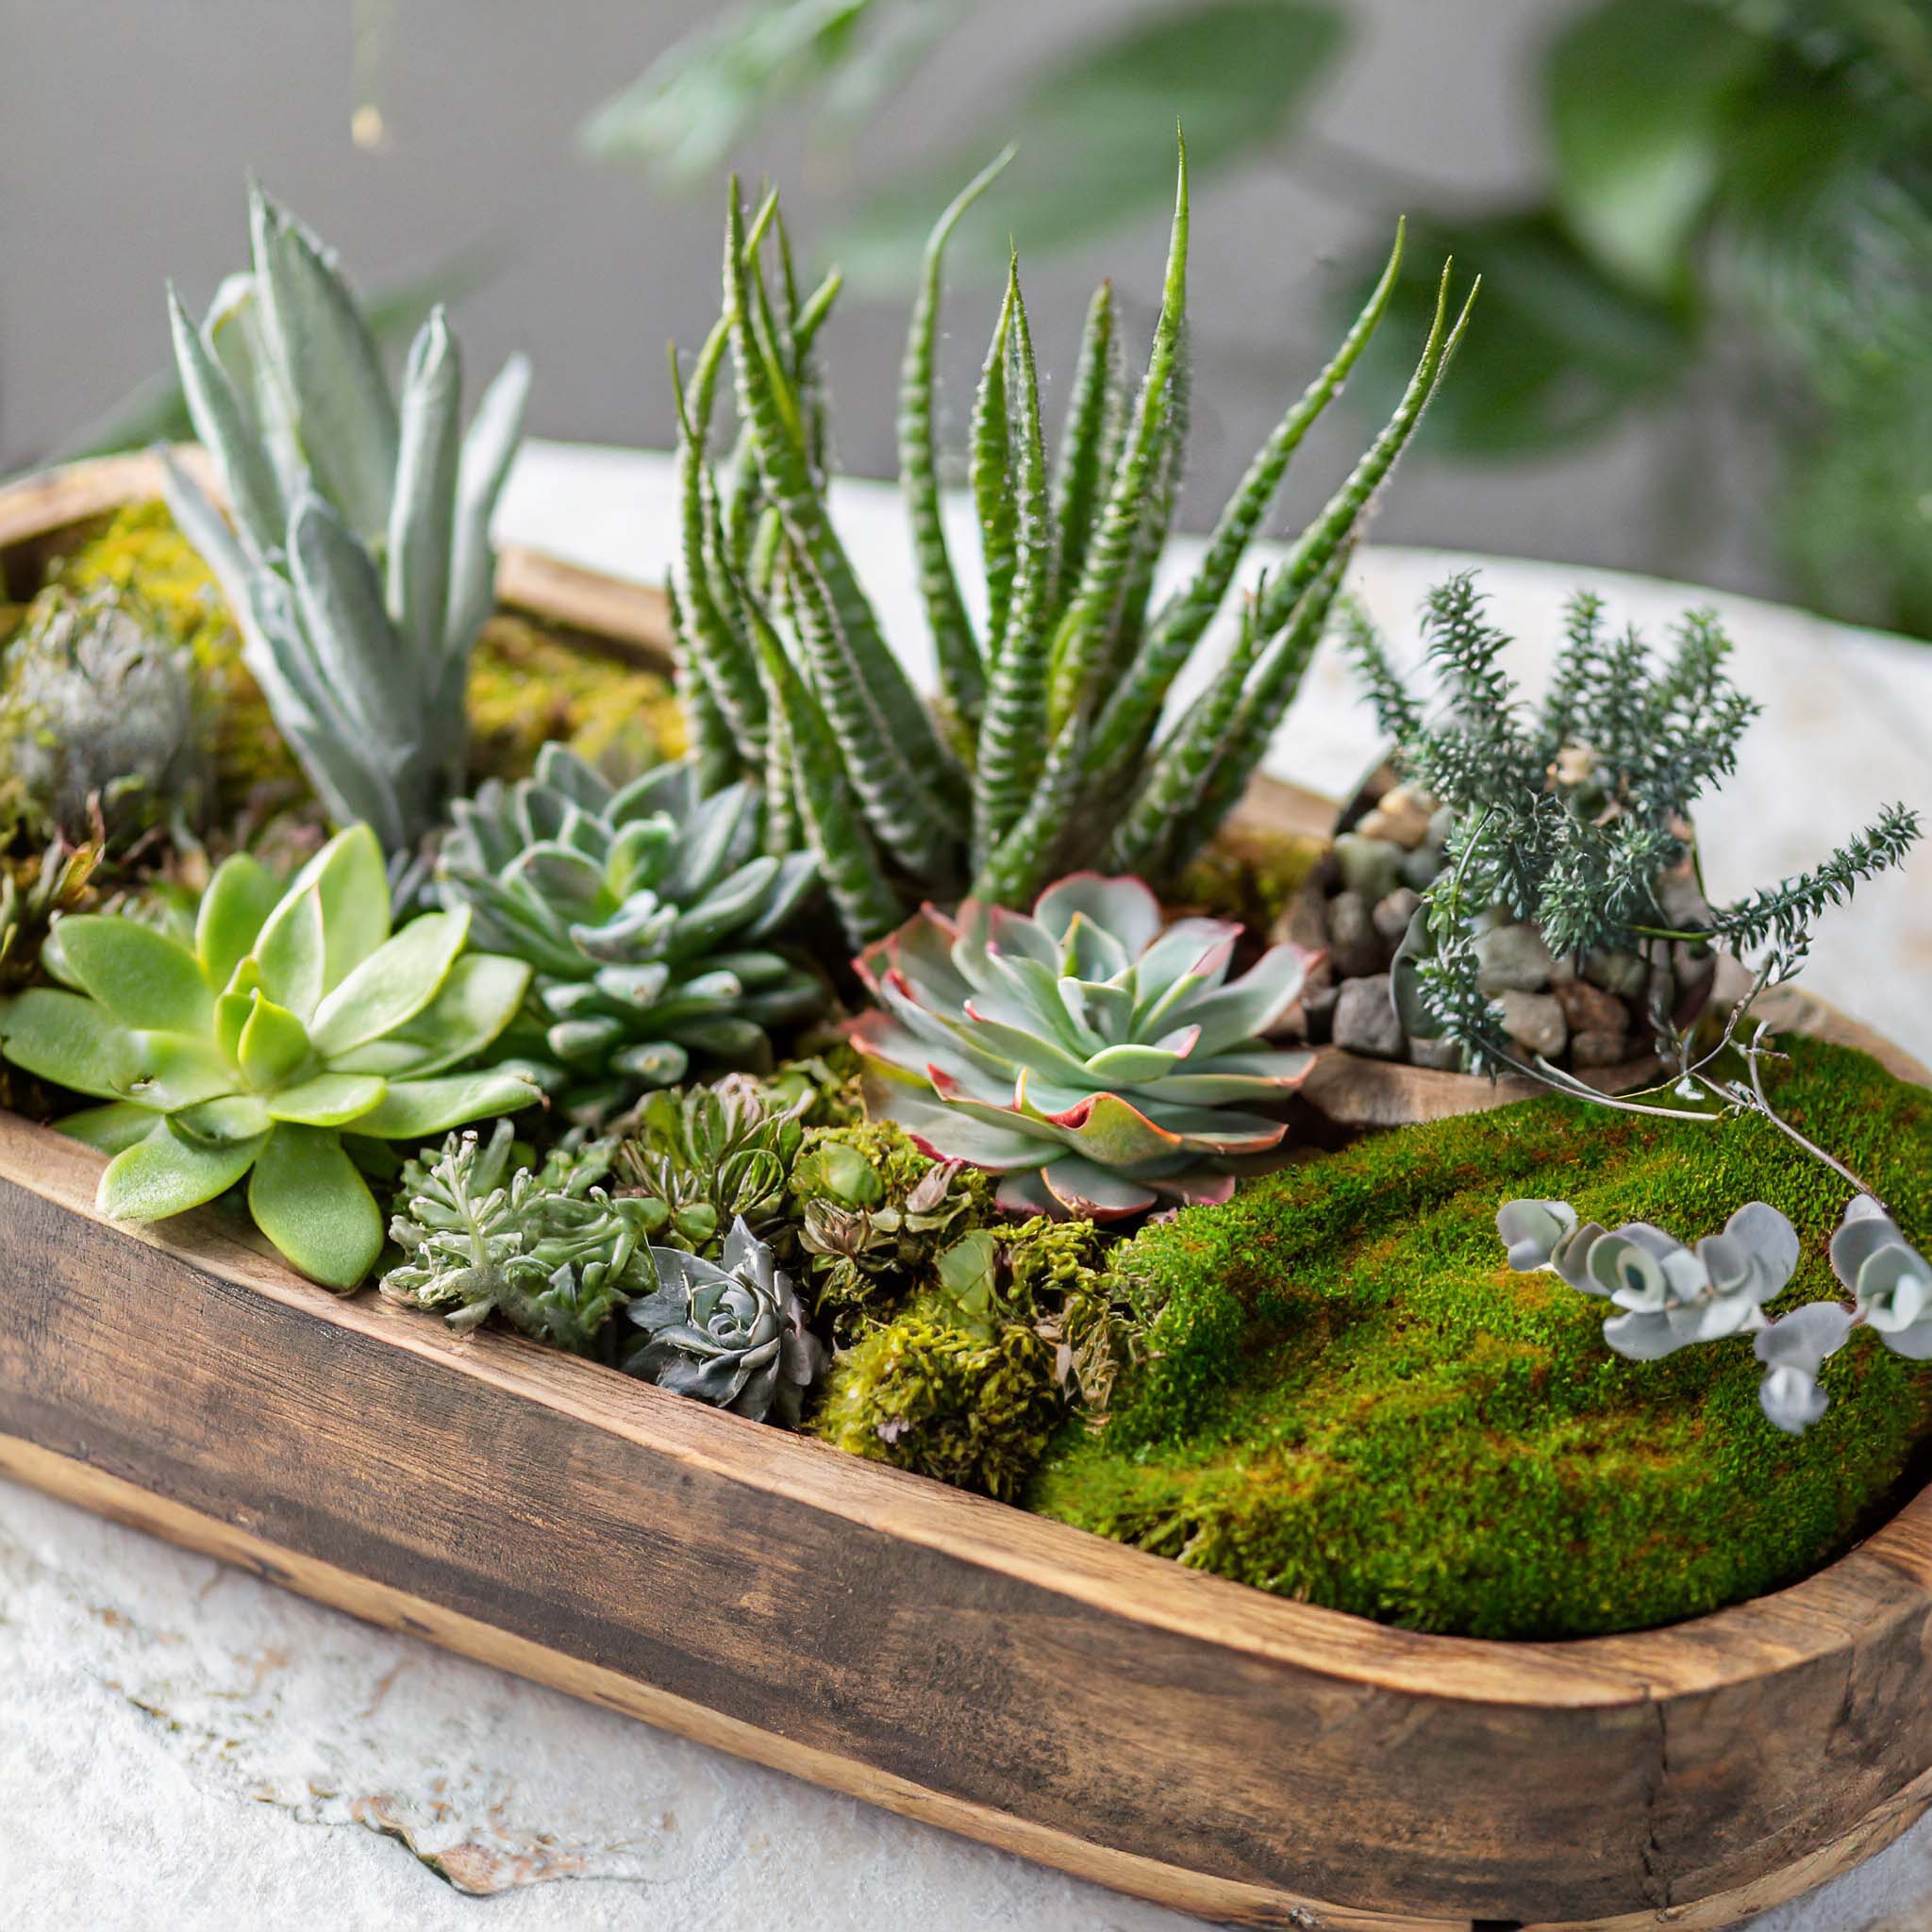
(1890, 1281)
(358, 567)
(1675, 1295)
(644, 911)
(99, 715)
(1088, 1052)
(732, 1335)
(1671, 1295)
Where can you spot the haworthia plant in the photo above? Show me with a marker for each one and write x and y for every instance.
(1050, 746)
(358, 564)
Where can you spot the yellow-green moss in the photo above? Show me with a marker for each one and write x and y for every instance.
(970, 1382)
(140, 550)
(526, 686)
(1351, 1399)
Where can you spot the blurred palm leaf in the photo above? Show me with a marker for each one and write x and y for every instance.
(1562, 351)
(688, 111)
(1235, 73)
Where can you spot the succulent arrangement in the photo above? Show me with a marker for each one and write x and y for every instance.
(642, 913)
(1559, 871)
(358, 565)
(1023, 1163)
(1048, 752)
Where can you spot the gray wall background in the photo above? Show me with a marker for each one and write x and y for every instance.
(129, 125)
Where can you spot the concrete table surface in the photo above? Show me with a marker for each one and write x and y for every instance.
(184, 1746)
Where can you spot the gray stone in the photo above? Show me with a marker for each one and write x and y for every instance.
(1392, 915)
(1512, 958)
(1402, 817)
(1423, 867)
(1623, 973)
(1442, 1056)
(1355, 947)
(1371, 867)
(1442, 822)
(1591, 1010)
(1599, 1047)
(1365, 1021)
(1535, 1022)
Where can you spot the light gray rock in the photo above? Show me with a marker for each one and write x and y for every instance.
(1392, 915)
(1365, 1021)
(1595, 1047)
(1355, 947)
(1442, 1056)
(1535, 1022)
(1371, 867)
(1591, 1010)
(1423, 867)
(1318, 1013)
(1512, 958)
(1623, 973)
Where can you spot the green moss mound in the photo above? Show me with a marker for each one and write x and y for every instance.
(1351, 1399)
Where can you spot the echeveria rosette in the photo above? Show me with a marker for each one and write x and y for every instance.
(644, 911)
(1891, 1280)
(295, 1016)
(1091, 1055)
(732, 1335)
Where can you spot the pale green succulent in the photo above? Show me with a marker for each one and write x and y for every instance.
(294, 1019)
(100, 724)
(1050, 752)
(1090, 1053)
(546, 1248)
(359, 567)
(646, 913)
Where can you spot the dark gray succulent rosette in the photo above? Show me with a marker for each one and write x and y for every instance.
(732, 1335)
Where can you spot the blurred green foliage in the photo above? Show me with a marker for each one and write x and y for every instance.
(1738, 225)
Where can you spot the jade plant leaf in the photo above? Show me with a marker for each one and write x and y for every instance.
(259, 1071)
(308, 1197)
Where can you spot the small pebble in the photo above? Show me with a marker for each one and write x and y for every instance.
(1623, 973)
(1591, 1010)
(1317, 1014)
(1444, 1055)
(1423, 867)
(1599, 1047)
(1512, 958)
(1402, 817)
(1392, 915)
(1371, 867)
(1535, 1021)
(1365, 1021)
(1355, 945)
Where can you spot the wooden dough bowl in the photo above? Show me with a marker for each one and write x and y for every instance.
(1160, 1731)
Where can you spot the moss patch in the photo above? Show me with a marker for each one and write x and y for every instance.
(527, 684)
(1351, 1400)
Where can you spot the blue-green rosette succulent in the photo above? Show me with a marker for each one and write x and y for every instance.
(294, 1017)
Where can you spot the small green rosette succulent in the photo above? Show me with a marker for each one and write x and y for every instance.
(294, 1017)
(644, 912)
(1090, 1053)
